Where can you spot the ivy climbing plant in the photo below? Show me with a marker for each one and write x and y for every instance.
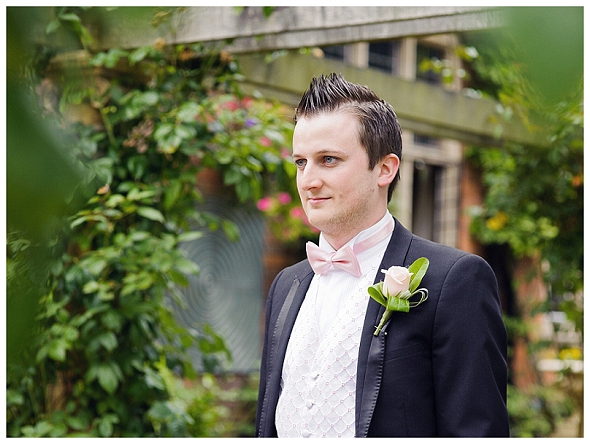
(107, 354)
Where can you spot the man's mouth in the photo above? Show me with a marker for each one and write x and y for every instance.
(317, 200)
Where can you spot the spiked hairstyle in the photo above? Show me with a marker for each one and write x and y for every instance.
(379, 131)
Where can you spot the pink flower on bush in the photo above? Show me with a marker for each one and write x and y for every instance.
(297, 213)
(265, 141)
(285, 153)
(284, 198)
(264, 204)
(232, 105)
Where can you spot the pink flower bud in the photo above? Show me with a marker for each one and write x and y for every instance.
(397, 279)
(297, 212)
(284, 198)
(264, 204)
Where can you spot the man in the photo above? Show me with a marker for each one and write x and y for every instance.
(437, 370)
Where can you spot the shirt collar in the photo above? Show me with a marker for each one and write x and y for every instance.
(325, 245)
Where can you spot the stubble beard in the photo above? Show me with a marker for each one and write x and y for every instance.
(340, 227)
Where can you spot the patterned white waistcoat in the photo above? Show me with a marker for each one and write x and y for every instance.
(319, 373)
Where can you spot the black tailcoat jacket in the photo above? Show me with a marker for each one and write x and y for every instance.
(440, 370)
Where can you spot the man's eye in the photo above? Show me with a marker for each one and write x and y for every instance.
(300, 163)
(329, 160)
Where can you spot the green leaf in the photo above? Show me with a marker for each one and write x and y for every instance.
(185, 131)
(77, 422)
(150, 98)
(108, 340)
(107, 378)
(78, 221)
(151, 213)
(163, 130)
(154, 379)
(69, 17)
(244, 191)
(138, 236)
(398, 304)
(224, 156)
(188, 111)
(178, 278)
(170, 144)
(376, 292)
(136, 194)
(172, 194)
(70, 333)
(105, 428)
(93, 265)
(139, 54)
(57, 350)
(115, 200)
(113, 56)
(230, 229)
(90, 287)
(112, 320)
(190, 236)
(160, 411)
(418, 268)
(186, 266)
(52, 26)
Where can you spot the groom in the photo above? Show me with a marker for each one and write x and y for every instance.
(437, 370)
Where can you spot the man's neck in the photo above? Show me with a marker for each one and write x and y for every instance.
(338, 240)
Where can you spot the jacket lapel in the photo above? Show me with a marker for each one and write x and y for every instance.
(371, 349)
(281, 331)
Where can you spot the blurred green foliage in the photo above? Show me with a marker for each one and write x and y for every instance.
(98, 264)
(535, 413)
(549, 46)
(534, 196)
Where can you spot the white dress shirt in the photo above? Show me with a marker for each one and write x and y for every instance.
(318, 383)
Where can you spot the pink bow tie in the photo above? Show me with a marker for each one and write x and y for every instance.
(345, 258)
(321, 260)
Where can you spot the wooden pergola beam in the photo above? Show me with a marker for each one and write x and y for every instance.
(425, 109)
(246, 30)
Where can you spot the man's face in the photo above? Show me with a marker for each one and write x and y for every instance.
(339, 194)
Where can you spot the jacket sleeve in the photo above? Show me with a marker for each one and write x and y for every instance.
(264, 364)
(469, 353)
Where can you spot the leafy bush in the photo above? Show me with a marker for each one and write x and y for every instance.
(107, 356)
(534, 413)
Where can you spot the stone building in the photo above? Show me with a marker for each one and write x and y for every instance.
(381, 47)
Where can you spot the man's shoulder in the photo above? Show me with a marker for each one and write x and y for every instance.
(299, 270)
(440, 254)
(435, 248)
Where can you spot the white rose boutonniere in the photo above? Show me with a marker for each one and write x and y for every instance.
(399, 286)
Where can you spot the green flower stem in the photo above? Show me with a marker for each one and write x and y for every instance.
(383, 321)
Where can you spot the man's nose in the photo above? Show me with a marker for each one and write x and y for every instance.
(309, 178)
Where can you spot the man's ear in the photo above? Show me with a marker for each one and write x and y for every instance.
(389, 166)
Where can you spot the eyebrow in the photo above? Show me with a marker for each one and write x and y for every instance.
(323, 153)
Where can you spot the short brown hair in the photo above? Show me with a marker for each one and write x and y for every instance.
(379, 131)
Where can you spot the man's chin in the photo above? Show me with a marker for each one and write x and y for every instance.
(320, 222)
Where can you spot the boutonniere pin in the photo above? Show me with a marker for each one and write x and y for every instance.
(399, 286)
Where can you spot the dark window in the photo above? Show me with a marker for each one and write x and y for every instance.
(334, 52)
(384, 56)
(420, 139)
(426, 201)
